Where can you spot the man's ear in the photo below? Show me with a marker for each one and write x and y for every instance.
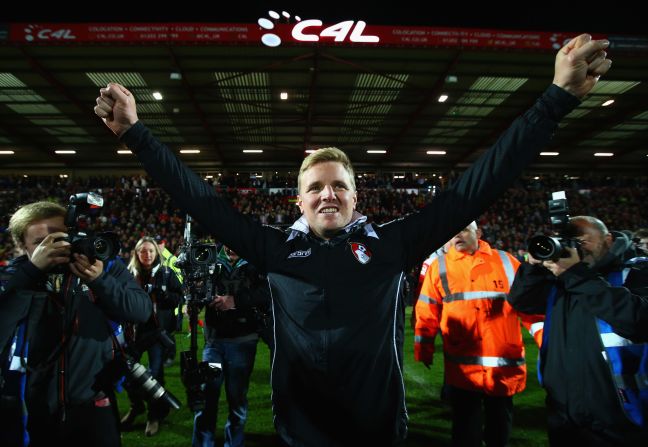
(609, 239)
(478, 232)
(300, 203)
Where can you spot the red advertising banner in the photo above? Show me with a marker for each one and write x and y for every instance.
(303, 32)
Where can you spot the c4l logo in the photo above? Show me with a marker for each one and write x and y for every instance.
(360, 252)
(310, 30)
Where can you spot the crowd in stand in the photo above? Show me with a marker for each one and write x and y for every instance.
(135, 207)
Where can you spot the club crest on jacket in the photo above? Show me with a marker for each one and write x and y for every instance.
(361, 252)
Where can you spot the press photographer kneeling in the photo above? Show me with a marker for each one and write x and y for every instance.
(59, 301)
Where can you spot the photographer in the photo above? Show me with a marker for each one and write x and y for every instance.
(640, 240)
(231, 324)
(165, 292)
(168, 260)
(64, 302)
(596, 311)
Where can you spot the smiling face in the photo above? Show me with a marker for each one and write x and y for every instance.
(327, 198)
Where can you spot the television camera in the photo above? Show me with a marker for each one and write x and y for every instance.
(197, 261)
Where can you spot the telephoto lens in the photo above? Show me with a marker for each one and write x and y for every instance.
(140, 379)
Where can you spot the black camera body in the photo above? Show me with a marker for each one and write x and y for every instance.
(197, 261)
(102, 246)
(543, 247)
(195, 375)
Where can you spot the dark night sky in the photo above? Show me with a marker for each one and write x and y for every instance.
(523, 15)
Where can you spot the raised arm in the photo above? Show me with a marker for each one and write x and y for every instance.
(578, 66)
(116, 106)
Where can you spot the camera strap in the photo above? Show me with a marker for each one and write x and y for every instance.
(113, 327)
(36, 311)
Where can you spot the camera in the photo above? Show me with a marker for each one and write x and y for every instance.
(543, 247)
(102, 246)
(138, 379)
(195, 376)
(197, 260)
(198, 263)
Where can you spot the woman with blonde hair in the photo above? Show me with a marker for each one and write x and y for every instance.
(165, 290)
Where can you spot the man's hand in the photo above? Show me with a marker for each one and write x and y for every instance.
(86, 271)
(532, 260)
(116, 107)
(558, 267)
(413, 317)
(580, 64)
(50, 252)
(223, 302)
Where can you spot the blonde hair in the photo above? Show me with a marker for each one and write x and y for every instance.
(322, 156)
(28, 214)
(134, 265)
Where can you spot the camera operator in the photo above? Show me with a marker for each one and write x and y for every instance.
(165, 292)
(63, 303)
(596, 311)
(168, 259)
(231, 325)
(640, 240)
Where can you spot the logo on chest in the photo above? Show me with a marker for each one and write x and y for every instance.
(300, 254)
(360, 252)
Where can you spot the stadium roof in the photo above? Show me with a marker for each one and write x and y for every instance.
(221, 90)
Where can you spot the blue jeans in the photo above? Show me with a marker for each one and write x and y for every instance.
(237, 361)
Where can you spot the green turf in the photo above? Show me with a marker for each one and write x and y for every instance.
(429, 418)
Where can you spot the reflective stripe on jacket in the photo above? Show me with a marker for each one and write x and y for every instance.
(464, 296)
(628, 361)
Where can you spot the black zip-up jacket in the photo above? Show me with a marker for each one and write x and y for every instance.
(166, 293)
(251, 299)
(78, 313)
(337, 372)
(578, 381)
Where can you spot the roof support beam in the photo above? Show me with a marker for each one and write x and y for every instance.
(308, 125)
(196, 106)
(430, 96)
(51, 79)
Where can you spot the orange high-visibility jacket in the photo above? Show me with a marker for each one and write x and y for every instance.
(465, 296)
